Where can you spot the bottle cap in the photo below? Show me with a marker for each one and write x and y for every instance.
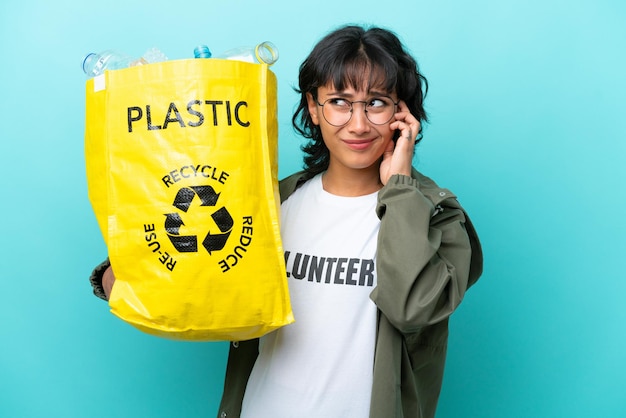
(202, 51)
(266, 52)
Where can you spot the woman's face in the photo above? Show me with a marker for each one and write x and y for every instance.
(359, 144)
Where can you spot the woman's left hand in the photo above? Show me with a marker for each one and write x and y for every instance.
(398, 156)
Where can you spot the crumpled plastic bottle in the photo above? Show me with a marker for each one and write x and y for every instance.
(263, 53)
(97, 63)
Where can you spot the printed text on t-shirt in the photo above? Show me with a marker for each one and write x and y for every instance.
(330, 270)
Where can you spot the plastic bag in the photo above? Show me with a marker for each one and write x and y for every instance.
(181, 161)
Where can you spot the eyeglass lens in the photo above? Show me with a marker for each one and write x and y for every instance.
(338, 111)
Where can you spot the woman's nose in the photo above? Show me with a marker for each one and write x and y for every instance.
(359, 122)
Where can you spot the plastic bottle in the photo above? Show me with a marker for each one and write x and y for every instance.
(202, 51)
(265, 53)
(154, 55)
(96, 63)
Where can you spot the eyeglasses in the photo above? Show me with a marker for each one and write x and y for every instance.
(338, 111)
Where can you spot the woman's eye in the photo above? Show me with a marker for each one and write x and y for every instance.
(338, 102)
(377, 103)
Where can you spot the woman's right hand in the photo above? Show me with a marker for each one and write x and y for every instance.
(108, 279)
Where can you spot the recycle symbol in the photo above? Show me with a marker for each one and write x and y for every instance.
(221, 217)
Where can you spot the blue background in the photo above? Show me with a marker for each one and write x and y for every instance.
(527, 128)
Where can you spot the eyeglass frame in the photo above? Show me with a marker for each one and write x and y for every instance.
(395, 106)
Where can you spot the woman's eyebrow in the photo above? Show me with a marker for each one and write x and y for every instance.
(378, 93)
(349, 95)
(339, 93)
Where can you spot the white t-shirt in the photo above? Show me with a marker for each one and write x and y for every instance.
(321, 365)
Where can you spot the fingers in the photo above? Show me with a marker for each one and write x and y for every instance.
(401, 158)
(406, 123)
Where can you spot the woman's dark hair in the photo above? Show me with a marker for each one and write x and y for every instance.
(344, 58)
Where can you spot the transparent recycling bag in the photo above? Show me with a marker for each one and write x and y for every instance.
(181, 162)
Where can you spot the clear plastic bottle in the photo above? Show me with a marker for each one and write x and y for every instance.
(202, 51)
(265, 53)
(97, 63)
(154, 55)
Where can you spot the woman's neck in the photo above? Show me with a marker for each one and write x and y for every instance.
(351, 182)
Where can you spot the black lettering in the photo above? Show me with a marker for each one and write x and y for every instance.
(194, 112)
(182, 172)
(224, 265)
(237, 118)
(230, 122)
(132, 118)
(214, 104)
(149, 120)
(190, 171)
(174, 175)
(287, 253)
(167, 261)
(329, 262)
(170, 264)
(367, 273)
(169, 119)
(156, 245)
(223, 177)
(297, 264)
(234, 262)
(167, 181)
(340, 269)
(351, 271)
(205, 167)
(240, 248)
(316, 269)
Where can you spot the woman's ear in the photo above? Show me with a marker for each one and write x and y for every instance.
(313, 108)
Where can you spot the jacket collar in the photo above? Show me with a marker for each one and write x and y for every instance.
(427, 186)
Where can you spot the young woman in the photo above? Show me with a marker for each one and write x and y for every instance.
(378, 256)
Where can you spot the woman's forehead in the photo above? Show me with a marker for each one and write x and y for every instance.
(361, 75)
(329, 88)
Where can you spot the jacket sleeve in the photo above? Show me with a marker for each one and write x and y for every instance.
(424, 259)
(96, 279)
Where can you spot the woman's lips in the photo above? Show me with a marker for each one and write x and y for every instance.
(358, 144)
